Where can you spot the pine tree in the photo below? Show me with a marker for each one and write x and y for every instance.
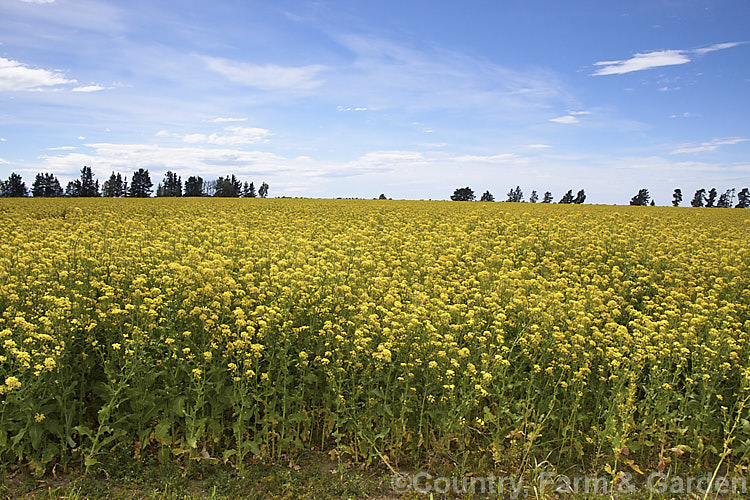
(711, 199)
(46, 185)
(87, 187)
(567, 197)
(698, 198)
(677, 197)
(463, 194)
(580, 197)
(113, 187)
(194, 186)
(743, 199)
(14, 187)
(171, 186)
(228, 187)
(140, 184)
(515, 195)
(641, 199)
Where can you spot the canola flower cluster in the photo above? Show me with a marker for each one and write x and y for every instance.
(394, 331)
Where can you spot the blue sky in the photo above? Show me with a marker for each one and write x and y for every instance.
(408, 98)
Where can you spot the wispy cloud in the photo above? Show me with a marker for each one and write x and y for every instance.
(711, 145)
(641, 61)
(126, 158)
(232, 136)
(388, 74)
(267, 76)
(225, 120)
(538, 146)
(38, 1)
(656, 59)
(567, 119)
(15, 76)
(89, 88)
(717, 46)
(499, 158)
(347, 108)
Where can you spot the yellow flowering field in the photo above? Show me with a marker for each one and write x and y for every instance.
(379, 331)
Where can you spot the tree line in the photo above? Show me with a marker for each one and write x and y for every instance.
(516, 196)
(141, 186)
(701, 198)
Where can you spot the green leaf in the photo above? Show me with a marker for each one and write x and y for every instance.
(84, 431)
(35, 433)
(89, 461)
(228, 454)
(162, 432)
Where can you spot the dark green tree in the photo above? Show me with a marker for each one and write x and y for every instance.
(85, 187)
(194, 186)
(547, 197)
(641, 199)
(228, 187)
(487, 196)
(263, 190)
(14, 187)
(463, 194)
(677, 197)
(141, 185)
(580, 197)
(515, 195)
(46, 185)
(114, 187)
(534, 197)
(653, 203)
(567, 197)
(249, 191)
(711, 198)
(170, 186)
(698, 198)
(725, 199)
(743, 199)
(382, 196)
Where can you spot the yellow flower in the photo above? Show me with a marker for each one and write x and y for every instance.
(12, 383)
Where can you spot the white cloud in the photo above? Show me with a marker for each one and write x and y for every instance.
(4, 162)
(656, 59)
(224, 120)
(38, 1)
(567, 119)
(686, 114)
(711, 145)
(717, 46)
(3, 139)
(63, 148)
(268, 76)
(233, 136)
(89, 88)
(15, 76)
(346, 108)
(127, 158)
(499, 158)
(580, 113)
(642, 61)
(538, 146)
